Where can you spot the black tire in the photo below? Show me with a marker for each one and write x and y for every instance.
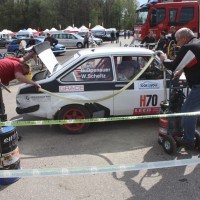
(74, 112)
(160, 140)
(169, 144)
(197, 140)
(79, 45)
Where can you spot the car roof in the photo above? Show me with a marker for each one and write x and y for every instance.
(19, 39)
(116, 51)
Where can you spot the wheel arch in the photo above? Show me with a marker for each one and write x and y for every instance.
(68, 105)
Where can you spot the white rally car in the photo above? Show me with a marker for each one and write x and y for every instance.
(90, 75)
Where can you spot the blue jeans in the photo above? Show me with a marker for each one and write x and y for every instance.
(191, 104)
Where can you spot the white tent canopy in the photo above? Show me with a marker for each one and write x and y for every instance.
(24, 32)
(6, 32)
(71, 29)
(30, 30)
(52, 30)
(75, 29)
(46, 30)
(98, 28)
(83, 29)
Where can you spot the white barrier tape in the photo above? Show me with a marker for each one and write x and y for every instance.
(92, 120)
(23, 173)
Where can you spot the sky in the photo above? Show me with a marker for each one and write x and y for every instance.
(142, 1)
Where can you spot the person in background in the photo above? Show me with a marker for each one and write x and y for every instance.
(125, 34)
(129, 34)
(117, 36)
(51, 40)
(149, 39)
(162, 42)
(172, 30)
(187, 61)
(32, 43)
(112, 35)
(86, 40)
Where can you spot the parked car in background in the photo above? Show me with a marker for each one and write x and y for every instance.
(90, 76)
(4, 42)
(98, 41)
(13, 47)
(69, 39)
(105, 37)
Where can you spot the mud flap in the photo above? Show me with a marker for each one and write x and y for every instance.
(97, 110)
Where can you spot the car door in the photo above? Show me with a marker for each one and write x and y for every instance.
(144, 95)
(92, 79)
(63, 39)
(70, 40)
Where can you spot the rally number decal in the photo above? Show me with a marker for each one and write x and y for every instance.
(148, 100)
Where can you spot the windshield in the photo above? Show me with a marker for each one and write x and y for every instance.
(67, 62)
(141, 16)
(78, 36)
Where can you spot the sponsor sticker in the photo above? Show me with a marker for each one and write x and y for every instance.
(40, 98)
(149, 85)
(71, 88)
(146, 110)
(9, 158)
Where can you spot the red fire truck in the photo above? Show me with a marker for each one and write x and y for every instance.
(159, 15)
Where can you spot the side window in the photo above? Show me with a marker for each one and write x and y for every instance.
(98, 69)
(70, 36)
(173, 14)
(126, 67)
(186, 15)
(64, 36)
(153, 72)
(161, 14)
(55, 35)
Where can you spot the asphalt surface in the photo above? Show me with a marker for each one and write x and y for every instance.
(105, 143)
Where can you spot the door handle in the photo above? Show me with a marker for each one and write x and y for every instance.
(120, 85)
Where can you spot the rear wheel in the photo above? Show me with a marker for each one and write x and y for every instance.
(74, 112)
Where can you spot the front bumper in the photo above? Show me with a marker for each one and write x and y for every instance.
(28, 109)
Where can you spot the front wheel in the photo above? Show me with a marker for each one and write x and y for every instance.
(79, 45)
(197, 140)
(169, 144)
(74, 112)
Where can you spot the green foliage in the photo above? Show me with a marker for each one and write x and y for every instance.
(42, 14)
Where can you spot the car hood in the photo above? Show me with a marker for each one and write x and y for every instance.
(45, 53)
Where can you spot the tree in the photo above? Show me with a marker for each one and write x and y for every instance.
(42, 14)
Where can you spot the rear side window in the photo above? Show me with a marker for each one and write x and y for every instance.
(186, 15)
(98, 69)
(161, 14)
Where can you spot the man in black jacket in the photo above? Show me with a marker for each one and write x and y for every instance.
(188, 61)
(51, 40)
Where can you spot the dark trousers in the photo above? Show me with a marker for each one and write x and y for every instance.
(86, 44)
(2, 107)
